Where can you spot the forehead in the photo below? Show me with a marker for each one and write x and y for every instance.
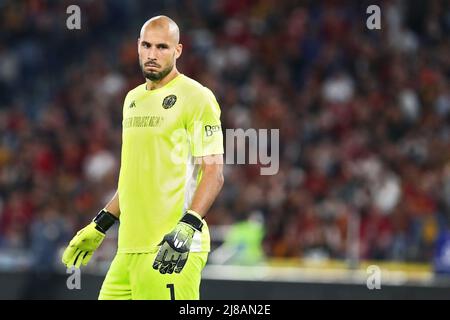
(157, 35)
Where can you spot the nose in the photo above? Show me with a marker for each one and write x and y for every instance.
(151, 53)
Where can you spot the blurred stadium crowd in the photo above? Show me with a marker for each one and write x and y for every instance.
(363, 118)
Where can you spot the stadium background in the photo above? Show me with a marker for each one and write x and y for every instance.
(363, 115)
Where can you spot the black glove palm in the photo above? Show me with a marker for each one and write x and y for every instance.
(174, 250)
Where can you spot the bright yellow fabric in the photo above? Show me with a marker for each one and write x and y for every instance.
(131, 276)
(162, 130)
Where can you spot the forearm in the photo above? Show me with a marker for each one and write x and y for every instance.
(113, 205)
(174, 249)
(209, 187)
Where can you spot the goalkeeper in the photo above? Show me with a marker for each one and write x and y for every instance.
(170, 174)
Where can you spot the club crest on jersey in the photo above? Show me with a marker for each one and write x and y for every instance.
(169, 101)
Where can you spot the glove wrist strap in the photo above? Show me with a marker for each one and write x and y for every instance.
(104, 220)
(193, 219)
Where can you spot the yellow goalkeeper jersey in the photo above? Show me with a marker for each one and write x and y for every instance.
(162, 131)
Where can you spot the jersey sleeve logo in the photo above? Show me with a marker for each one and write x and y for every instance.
(169, 101)
(210, 129)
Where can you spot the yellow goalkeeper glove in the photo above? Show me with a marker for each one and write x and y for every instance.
(87, 240)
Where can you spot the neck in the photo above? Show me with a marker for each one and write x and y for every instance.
(152, 85)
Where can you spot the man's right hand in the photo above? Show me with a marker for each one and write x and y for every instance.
(82, 246)
(87, 240)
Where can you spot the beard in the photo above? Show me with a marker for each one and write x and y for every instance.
(155, 76)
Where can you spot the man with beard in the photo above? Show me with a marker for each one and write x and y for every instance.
(170, 174)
